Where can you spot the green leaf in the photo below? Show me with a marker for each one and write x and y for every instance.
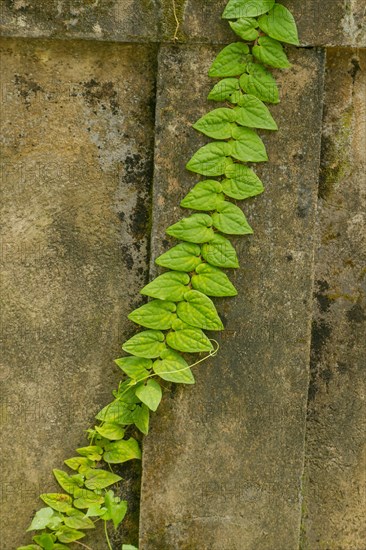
(173, 368)
(230, 219)
(85, 498)
(93, 452)
(248, 146)
(128, 547)
(168, 286)
(150, 394)
(246, 28)
(246, 8)
(196, 228)
(180, 325)
(231, 61)
(156, 314)
(56, 520)
(260, 83)
(136, 368)
(141, 416)
(68, 483)
(77, 461)
(280, 24)
(46, 541)
(60, 547)
(117, 412)
(110, 431)
(122, 451)
(205, 195)
(252, 112)
(212, 281)
(57, 501)
(67, 534)
(220, 252)
(41, 519)
(270, 52)
(242, 183)
(148, 344)
(199, 311)
(216, 124)
(116, 510)
(189, 340)
(29, 547)
(235, 97)
(211, 159)
(100, 479)
(183, 257)
(78, 520)
(223, 89)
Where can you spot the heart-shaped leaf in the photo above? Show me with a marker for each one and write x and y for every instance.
(199, 311)
(148, 344)
(280, 24)
(242, 183)
(67, 534)
(189, 340)
(231, 61)
(150, 394)
(245, 27)
(230, 219)
(211, 159)
(252, 112)
(57, 501)
(270, 52)
(212, 281)
(205, 195)
(168, 286)
(100, 479)
(259, 82)
(136, 368)
(183, 257)
(110, 431)
(41, 519)
(122, 451)
(220, 252)
(157, 314)
(173, 368)
(216, 124)
(246, 8)
(77, 520)
(197, 228)
(248, 146)
(223, 89)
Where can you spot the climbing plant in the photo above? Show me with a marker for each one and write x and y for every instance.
(180, 306)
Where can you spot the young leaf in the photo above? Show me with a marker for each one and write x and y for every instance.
(93, 452)
(100, 479)
(248, 146)
(57, 501)
(110, 431)
(173, 368)
(242, 183)
(246, 8)
(135, 367)
(205, 195)
(220, 252)
(46, 541)
(280, 24)
(270, 52)
(117, 412)
(211, 160)
(197, 228)
(77, 461)
(212, 281)
(68, 483)
(116, 509)
(156, 314)
(67, 534)
(189, 340)
(78, 520)
(141, 416)
(260, 83)
(253, 113)
(223, 89)
(41, 519)
(231, 61)
(122, 451)
(216, 124)
(148, 344)
(29, 547)
(183, 257)
(246, 28)
(230, 219)
(150, 394)
(85, 498)
(59, 546)
(199, 311)
(168, 286)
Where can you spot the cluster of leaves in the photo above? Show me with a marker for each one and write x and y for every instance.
(180, 307)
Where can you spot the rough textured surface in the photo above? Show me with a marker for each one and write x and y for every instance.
(77, 140)
(229, 475)
(336, 452)
(330, 22)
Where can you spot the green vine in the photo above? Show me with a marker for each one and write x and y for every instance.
(180, 306)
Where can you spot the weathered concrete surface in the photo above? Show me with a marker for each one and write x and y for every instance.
(334, 515)
(77, 145)
(327, 22)
(223, 462)
(121, 20)
(320, 22)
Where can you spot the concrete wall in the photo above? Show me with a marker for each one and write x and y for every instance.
(267, 451)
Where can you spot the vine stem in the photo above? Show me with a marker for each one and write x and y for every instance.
(175, 37)
(84, 545)
(106, 536)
